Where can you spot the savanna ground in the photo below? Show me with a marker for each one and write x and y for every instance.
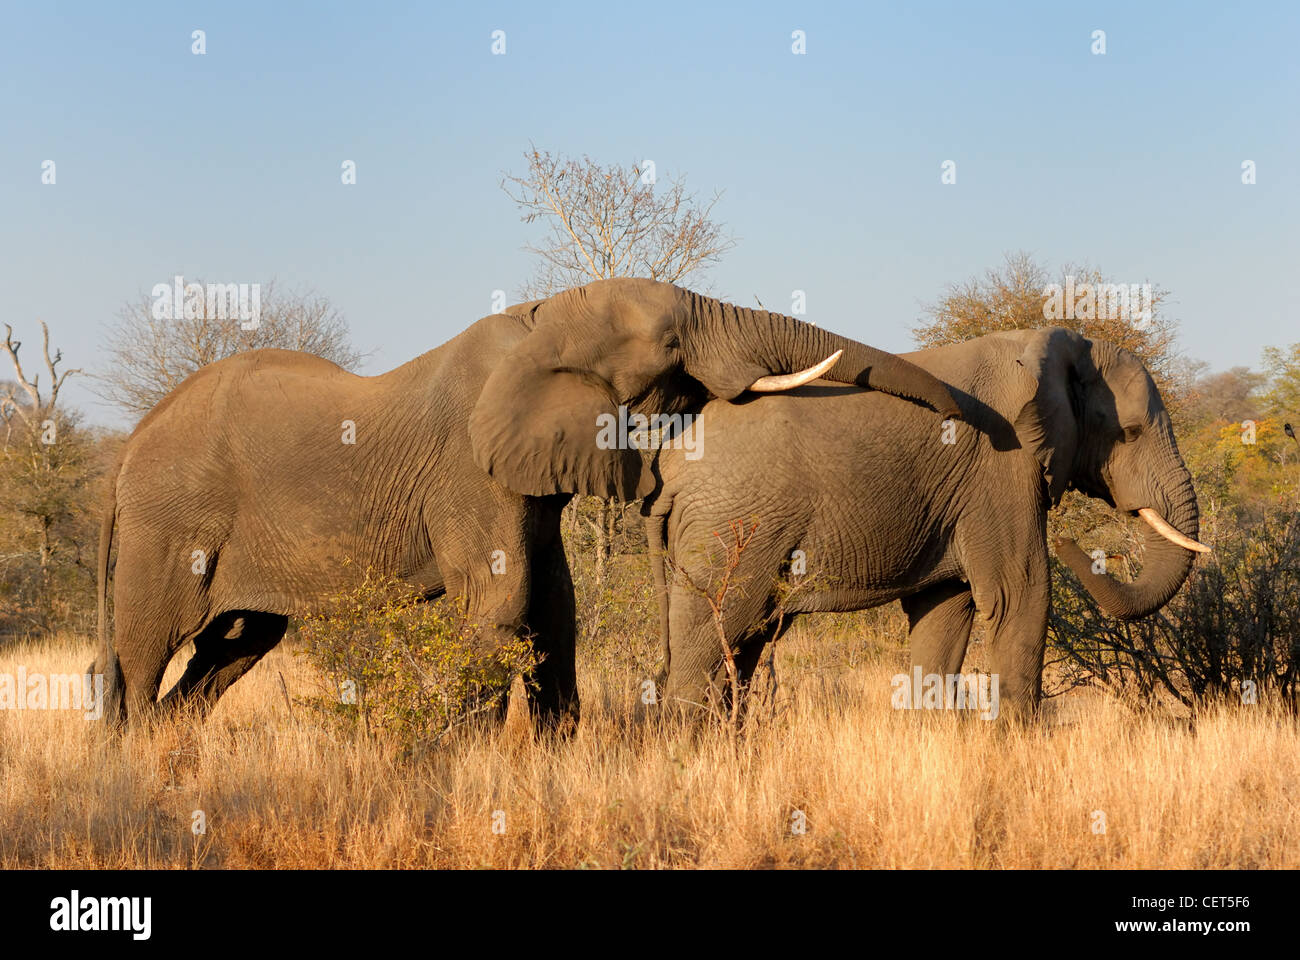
(1094, 784)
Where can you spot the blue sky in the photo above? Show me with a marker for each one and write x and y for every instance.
(226, 166)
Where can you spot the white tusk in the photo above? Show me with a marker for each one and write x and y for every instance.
(1162, 527)
(788, 381)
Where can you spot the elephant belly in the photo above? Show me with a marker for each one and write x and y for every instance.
(297, 573)
(845, 588)
(857, 558)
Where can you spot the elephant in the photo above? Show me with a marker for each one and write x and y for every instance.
(241, 494)
(855, 499)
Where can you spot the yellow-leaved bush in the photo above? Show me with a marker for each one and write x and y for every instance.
(398, 665)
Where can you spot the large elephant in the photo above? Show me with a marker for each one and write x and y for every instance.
(886, 503)
(242, 492)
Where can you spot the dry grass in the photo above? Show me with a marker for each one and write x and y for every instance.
(879, 788)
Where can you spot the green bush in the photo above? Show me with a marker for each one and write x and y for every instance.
(404, 667)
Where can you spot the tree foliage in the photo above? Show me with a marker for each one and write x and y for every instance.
(1014, 297)
(1283, 396)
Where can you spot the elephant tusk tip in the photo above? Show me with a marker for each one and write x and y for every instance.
(1163, 527)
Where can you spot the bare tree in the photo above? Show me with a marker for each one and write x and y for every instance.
(16, 410)
(149, 357)
(612, 221)
(46, 470)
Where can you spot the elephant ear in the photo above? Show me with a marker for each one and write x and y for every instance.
(540, 428)
(1048, 425)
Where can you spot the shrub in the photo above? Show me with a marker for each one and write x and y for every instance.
(405, 667)
(1234, 627)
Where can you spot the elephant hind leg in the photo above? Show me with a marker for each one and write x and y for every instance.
(223, 652)
(144, 647)
(939, 620)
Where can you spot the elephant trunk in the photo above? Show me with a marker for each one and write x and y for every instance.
(1164, 569)
(735, 344)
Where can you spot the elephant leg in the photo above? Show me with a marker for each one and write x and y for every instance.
(489, 566)
(553, 695)
(143, 660)
(145, 640)
(747, 658)
(693, 652)
(697, 677)
(160, 605)
(226, 650)
(752, 647)
(1018, 638)
(939, 621)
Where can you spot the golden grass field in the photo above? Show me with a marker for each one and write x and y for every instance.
(878, 787)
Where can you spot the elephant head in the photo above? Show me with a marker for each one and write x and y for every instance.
(1097, 424)
(653, 348)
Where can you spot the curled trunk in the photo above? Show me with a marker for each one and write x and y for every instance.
(1165, 567)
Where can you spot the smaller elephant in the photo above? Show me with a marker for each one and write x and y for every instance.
(856, 499)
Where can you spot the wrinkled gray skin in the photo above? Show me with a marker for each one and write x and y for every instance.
(236, 501)
(884, 510)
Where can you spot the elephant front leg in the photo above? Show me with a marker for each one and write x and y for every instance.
(698, 683)
(1018, 640)
(553, 694)
(523, 589)
(694, 653)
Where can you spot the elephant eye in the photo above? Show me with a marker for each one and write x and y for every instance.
(1131, 433)
(671, 342)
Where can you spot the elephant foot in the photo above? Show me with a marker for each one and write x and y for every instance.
(561, 725)
(1017, 713)
(676, 714)
(524, 708)
(557, 721)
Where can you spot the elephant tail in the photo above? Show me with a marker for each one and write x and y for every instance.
(107, 661)
(656, 524)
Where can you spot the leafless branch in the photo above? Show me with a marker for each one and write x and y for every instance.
(148, 357)
(606, 221)
(11, 405)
